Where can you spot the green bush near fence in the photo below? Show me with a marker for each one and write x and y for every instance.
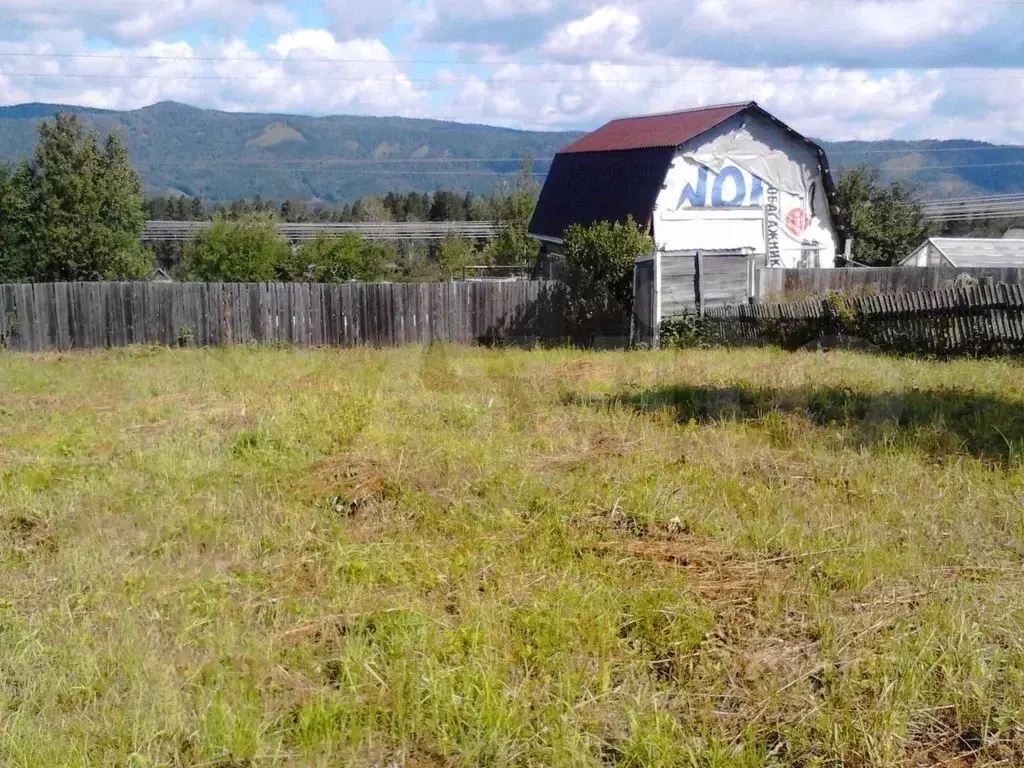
(599, 263)
(341, 259)
(687, 331)
(248, 250)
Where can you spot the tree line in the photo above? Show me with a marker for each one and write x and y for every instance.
(242, 243)
(442, 205)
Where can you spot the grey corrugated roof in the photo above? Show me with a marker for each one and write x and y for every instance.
(981, 251)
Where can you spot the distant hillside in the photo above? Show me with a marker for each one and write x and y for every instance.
(221, 156)
(955, 168)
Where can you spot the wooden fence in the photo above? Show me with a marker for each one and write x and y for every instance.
(796, 284)
(982, 320)
(691, 279)
(644, 321)
(60, 316)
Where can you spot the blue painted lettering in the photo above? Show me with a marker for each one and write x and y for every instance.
(756, 191)
(739, 188)
(697, 198)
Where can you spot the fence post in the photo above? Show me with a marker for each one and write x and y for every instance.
(656, 298)
(751, 279)
(700, 283)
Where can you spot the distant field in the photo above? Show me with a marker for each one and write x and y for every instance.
(267, 557)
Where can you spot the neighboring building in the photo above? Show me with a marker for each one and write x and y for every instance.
(158, 275)
(725, 180)
(963, 252)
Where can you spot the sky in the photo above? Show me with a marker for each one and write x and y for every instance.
(834, 69)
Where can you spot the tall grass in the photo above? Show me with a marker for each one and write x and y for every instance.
(256, 557)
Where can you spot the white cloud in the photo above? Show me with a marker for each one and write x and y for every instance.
(832, 68)
(858, 33)
(825, 102)
(855, 23)
(358, 18)
(302, 71)
(132, 20)
(608, 33)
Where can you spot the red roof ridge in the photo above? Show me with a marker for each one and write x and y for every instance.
(671, 112)
(667, 129)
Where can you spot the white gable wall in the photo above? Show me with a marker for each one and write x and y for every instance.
(747, 186)
(926, 255)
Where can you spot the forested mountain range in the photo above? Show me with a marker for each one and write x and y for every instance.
(220, 156)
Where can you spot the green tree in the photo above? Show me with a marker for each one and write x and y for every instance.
(122, 215)
(448, 206)
(886, 222)
(84, 207)
(338, 260)
(456, 253)
(512, 209)
(14, 224)
(371, 210)
(599, 263)
(244, 250)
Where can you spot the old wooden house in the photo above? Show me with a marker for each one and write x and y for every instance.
(731, 182)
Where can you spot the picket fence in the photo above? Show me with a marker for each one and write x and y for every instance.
(974, 320)
(62, 316)
(804, 283)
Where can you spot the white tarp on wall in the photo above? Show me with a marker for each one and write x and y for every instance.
(737, 193)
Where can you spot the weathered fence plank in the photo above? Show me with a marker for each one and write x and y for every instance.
(95, 315)
(774, 283)
(984, 319)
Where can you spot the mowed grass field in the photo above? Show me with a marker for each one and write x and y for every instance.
(440, 557)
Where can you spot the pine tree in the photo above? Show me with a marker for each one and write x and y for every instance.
(122, 215)
(84, 207)
(14, 225)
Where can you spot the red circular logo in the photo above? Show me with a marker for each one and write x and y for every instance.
(797, 222)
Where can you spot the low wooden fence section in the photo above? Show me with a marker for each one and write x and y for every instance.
(804, 283)
(690, 279)
(982, 320)
(60, 316)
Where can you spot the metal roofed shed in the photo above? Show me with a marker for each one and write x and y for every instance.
(728, 178)
(965, 252)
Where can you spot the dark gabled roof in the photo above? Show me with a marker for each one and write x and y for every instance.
(587, 187)
(619, 169)
(666, 130)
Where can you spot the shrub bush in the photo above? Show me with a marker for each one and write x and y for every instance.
(246, 250)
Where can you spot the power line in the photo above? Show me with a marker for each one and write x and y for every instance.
(316, 162)
(998, 216)
(510, 174)
(549, 159)
(914, 151)
(975, 198)
(314, 165)
(926, 168)
(441, 80)
(177, 231)
(287, 58)
(956, 209)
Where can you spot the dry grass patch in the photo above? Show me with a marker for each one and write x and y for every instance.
(460, 557)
